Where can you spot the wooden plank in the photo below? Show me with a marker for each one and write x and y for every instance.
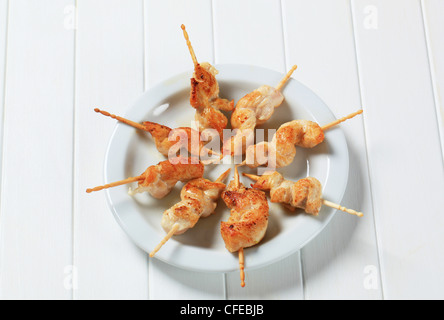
(165, 47)
(3, 44)
(165, 59)
(243, 36)
(406, 168)
(171, 283)
(319, 38)
(36, 198)
(277, 281)
(109, 74)
(434, 28)
(3, 41)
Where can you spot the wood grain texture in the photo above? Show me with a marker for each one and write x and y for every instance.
(109, 75)
(406, 170)
(432, 11)
(319, 38)
(243, 36)
(167, 55)
(36, 192)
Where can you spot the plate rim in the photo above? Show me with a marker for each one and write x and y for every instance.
(172, 81)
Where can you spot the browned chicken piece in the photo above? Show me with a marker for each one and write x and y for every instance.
(304, 194)
(301, 133)
(253, 109)
(158, 180)
(204, 94)
(280, 152)
(205, 89)
(248, 220)
(181, 137)
(199, 199)
(211, 118)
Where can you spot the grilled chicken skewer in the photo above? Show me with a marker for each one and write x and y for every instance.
(161, 135)
(301, 133)
(204, 94)
(158, 180)
(248, 219)
(304, 194)
(254, 109)
(199, 199)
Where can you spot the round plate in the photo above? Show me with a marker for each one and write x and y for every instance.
(130, 152)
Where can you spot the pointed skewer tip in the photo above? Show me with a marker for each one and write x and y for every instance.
(251, 176)
(341, 208)
(242, 266)
(286, 77)
(115, 184)
(190, 47)
(223, 176)
(338, 121)
(164, 240)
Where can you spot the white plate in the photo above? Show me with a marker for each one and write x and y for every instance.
(202, 248)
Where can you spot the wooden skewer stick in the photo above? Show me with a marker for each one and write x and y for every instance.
(242, 163)
(241, 250)
(165, 239)
(223, 176)
(236, 175)
(325, 202)
(339, 207)
(334, 123)
(285, 79)
(126, 121)
(251, 176)
(176, 226)
(115, 184)
(242, 267)
(142, 127)
(190, 47)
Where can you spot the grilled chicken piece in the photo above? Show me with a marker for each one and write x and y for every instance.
(248, 220)
(301, 133)
(254, 109)
(170, 141)
(199, 199)
(166, 138)
(304, 194)
(205, 89)
(204, 94)
(159, 180)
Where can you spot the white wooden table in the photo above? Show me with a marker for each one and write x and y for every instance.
(61, 58)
